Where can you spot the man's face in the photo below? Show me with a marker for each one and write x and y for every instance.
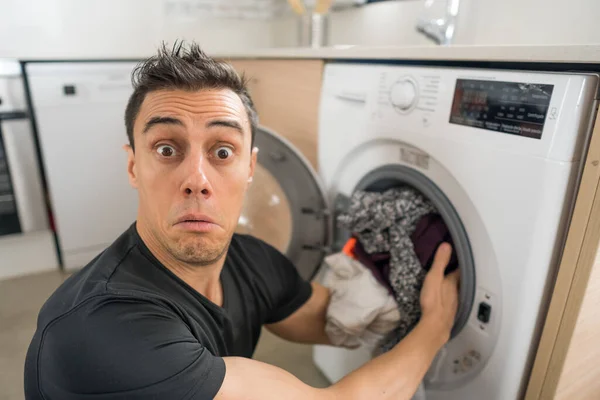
(191, 166)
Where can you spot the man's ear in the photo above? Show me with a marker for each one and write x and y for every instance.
(131, 170)
(253, 159)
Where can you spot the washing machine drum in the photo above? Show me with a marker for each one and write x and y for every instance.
(407, 184)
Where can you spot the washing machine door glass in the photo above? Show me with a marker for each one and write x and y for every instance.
(285, 205)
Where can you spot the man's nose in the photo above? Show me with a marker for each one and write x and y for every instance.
(195, 182)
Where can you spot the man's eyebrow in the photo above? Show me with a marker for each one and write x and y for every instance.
(161, 120)
(226, 123)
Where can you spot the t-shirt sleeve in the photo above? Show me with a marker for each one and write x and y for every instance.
(125, 349)
(289, 290)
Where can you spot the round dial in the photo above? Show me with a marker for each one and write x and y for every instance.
(403, 94)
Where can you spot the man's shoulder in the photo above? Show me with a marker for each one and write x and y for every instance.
(89, 282)
(130, 339)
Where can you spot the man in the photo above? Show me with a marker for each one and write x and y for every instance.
(174, 307)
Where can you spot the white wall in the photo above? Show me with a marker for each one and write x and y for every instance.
(133, 28)
(529, 22)
(112, 28)
(480, 22)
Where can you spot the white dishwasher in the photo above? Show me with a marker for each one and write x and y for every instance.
(79, 114)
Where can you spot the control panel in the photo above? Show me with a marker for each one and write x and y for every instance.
(507, 107)
(517, 111)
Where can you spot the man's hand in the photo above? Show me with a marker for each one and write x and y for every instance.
(439, 296)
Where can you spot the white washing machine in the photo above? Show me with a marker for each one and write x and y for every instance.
(499, 152)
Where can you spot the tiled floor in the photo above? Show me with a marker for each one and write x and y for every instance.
(21, 299)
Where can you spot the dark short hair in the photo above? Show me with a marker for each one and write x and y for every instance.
(185, 68)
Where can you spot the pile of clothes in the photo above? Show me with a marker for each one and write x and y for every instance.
(376, 280)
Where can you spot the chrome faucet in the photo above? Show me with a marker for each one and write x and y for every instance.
(439, 28)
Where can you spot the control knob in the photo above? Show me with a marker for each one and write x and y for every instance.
(403, 94)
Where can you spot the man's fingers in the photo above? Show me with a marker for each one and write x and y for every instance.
(454, 277)
(442, 258)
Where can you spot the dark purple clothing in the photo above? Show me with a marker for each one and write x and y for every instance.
(430, 232)
(377, 263)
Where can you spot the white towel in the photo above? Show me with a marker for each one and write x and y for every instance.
(361, 311)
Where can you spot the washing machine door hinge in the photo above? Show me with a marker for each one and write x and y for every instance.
(320, 214)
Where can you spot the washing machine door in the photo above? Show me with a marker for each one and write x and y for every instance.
(286, 205)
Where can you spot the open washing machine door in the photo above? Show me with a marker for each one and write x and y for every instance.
(285, 205)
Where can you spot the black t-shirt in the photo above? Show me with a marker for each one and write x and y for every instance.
(125, 327)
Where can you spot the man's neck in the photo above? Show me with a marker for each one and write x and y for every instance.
(204, 279)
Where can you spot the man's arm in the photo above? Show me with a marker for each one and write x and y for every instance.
(307, 324)
(393, 375)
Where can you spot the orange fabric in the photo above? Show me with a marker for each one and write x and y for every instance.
(349, 247)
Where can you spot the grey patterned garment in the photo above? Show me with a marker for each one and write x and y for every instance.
(383, 222)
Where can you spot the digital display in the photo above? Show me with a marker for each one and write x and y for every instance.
(507, 107)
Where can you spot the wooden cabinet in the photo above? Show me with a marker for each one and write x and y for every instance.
(580, 375)
(286, 94)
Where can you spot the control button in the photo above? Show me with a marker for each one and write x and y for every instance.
(484, 312)
(403, 94)
(69, 90)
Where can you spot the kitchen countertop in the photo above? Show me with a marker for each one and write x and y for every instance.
(584, 54)
(578, 54)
